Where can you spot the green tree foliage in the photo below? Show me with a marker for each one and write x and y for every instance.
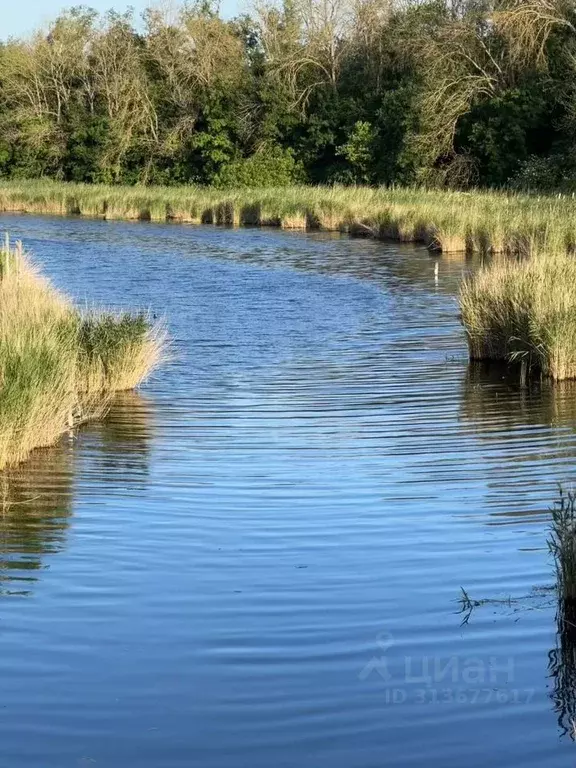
(359, 151)
(270, 167)
(440, 92)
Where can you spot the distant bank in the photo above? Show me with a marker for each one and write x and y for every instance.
(446, 221)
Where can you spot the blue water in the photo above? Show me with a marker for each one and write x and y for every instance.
(256, 561)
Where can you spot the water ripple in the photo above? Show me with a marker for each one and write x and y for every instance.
(258, 559)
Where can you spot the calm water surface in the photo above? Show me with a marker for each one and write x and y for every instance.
(256, 561)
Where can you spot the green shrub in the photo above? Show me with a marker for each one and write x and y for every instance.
(359, 152)
(546, 174)
(271, 167)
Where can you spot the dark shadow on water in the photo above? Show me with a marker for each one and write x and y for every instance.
(526, 436)
(562, 667)
(37, 497)
(119, 446)
(494, 403)
(35, 504)
(493, 397)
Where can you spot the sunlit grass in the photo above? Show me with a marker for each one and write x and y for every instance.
(59, 367)
(524, 312)
(562, 544)
(521, 308)
(449, 221)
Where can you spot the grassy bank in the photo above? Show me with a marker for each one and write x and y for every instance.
(524, 312)
(59, 367)
(521, 309)
(451, 222)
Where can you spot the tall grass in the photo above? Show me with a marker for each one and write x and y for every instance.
(562, 545)
(57, 366)
(562, 658)
(524, 312)
(452, 222)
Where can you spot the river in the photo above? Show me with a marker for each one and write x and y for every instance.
(257, 560)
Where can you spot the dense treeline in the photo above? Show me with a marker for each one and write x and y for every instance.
(450, 92)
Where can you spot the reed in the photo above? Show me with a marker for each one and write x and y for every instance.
(447, 221)
(524, 312)
(58, 367)
(562, 544)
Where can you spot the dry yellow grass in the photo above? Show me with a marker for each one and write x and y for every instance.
(524, 312)
(452, 222)
(57, 367)
(512, 311)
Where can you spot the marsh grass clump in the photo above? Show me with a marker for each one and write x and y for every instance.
(524, 312)
(562, 544)
(562, 659)
(117, 351)
(477, 221)
(58, 367)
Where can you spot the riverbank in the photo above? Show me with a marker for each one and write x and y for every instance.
(305, 477)
(58, 366)
(524, 313)
(450, 222)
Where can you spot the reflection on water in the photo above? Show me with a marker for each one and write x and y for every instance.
(36, 497)
(532, 430)
(497, 404)
(36, 501)
(120, 444)
(321, 470)
(562, 667)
